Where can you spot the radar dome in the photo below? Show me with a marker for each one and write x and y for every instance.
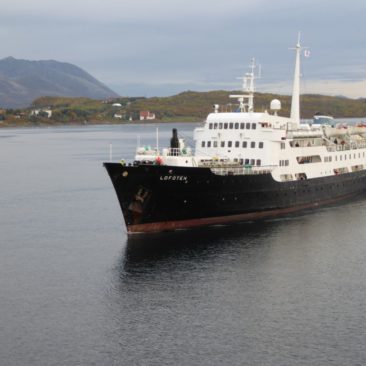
(275, 105)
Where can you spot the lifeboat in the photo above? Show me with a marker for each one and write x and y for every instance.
(357, 130)
(335, 131)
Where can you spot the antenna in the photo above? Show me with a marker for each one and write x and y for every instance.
(248, 88)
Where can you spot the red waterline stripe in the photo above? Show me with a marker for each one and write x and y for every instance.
(183, 224)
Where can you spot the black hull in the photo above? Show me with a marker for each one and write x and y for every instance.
(157, 197)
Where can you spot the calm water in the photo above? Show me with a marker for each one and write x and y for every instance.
(75, 291)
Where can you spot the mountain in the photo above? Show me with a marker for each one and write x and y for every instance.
(22, 81)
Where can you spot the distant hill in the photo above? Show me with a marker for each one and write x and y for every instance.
(198, 104)
(22, 81)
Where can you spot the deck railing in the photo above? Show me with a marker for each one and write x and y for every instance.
(241, 170)
(346, 147)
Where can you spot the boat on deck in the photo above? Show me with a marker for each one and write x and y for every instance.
(320, 118)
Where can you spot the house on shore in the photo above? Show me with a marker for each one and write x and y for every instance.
(146, 115)
(45, 112)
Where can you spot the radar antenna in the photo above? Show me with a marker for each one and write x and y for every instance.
(248, 89)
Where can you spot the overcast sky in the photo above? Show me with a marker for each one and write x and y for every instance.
(163, 47)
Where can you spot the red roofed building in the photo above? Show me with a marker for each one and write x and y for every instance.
(146, 115)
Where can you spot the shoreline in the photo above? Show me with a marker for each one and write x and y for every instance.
(96, 123)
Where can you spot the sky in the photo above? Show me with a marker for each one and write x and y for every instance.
(164, 47)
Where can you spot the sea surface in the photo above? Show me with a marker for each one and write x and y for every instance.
(74, 290)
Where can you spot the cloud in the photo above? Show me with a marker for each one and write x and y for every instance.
(112, 10)
(191, 43)
(349, 89)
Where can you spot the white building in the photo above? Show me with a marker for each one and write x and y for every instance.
(36, 112)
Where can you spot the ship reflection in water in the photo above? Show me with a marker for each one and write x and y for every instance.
(192, 243)
(204, 243)
(253, 290)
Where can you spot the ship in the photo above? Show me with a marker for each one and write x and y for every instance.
(244, 166)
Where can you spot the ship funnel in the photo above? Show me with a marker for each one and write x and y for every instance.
(174, 141)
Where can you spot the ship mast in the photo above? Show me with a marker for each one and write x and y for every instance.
(248, 88)
(295, 102)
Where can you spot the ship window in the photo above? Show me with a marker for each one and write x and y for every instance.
(229, 143)
(258, 162)
(252, 161)
(242, 126)
(208, 143)
(260, 145)
(215, 144)
(210, 126)
(252, 144)
(220, 126)
(340, 157)
(237, 143)
(330, 158)
(283, 145)
(308, 159)
(246, 161)
(215, 126)
(222, 143)
(203, 143)
(244, 144)
(225, 126)
(247, 126)
(345, 157)
(231, 125)
(236, 126)
(254, 126)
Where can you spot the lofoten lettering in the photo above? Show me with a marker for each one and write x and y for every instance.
(182, 178)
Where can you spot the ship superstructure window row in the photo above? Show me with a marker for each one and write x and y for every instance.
(230, 144)
(232, 126)
(252, 162)
(308, 159)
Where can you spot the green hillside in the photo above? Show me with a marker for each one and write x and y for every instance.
(199, 104)
(186, 106)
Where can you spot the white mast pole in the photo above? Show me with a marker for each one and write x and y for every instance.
(110, 152)
(295, 102)
(157, 140)
(251, 87)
